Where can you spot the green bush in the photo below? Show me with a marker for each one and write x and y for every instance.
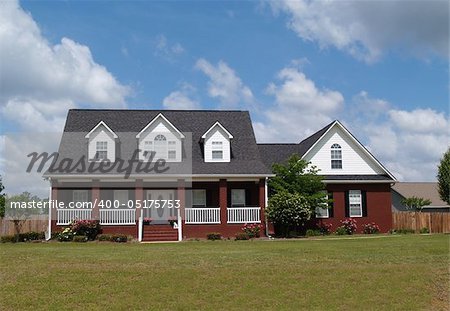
(424, 230)
(119, 238)
(313, 232)
(241, 236)
(214, 236)
(341, 230)
(80, 238)
(104, 237)
(8, 239)
(31, 236)
(89, 228)
(66, 235)
(401, 231)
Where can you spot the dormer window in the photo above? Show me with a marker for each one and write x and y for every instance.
(102, 151)
(217, 144)
(101, 143)
(336, 156)
(161, 138)
(217, 150)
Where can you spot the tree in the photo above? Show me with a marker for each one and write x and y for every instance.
(443, 177)
(415, 203)
(2, 199)
(295, 192)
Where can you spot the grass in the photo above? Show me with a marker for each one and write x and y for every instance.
(387, 273)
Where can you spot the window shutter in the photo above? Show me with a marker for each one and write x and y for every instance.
(364, 203)
(347, 205)
(331, 205)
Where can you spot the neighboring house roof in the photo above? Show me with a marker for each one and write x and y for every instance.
(279, 153)
(425, 190)
(127, 123)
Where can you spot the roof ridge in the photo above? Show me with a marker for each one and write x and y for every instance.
(176, 110)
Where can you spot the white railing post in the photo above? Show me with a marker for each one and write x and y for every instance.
(237, 215)
(140, 228)
(180, 225)
(202, 215)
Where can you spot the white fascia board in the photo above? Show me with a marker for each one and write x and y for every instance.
(160, 115)
(101, 123)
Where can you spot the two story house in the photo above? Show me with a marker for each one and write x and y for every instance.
(162, 175)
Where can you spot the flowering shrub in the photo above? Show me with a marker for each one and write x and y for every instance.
(89, 228)
(348, 227)
(66, 235)
(252, 230)
(371, 228)
(325, 228)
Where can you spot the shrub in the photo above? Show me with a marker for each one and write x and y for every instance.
(371, 228)
(341, 230)
(8, 239)
(242, 236)
(252, 230)
(325, 228)
(350, 225)
(424, 230)
(119, 238)
(31, 236)
(313, 232)
(89, 228)
(66, 235)
(404, 231)
(80, 238)
(214, 236)
(104, 237)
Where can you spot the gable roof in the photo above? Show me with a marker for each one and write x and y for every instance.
(101, 123)
(220, 126)
(127, 123)
(160, 116)
(279, 153)
(426, 190)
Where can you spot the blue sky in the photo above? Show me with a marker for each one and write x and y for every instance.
(380, 67)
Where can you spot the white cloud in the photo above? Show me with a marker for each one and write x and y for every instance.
(40, 81)
(300, 108)
(409, 142)
(181, 99)
(224, 84)
(166, 50)
(365, 29)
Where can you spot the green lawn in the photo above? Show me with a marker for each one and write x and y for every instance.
(383, 273)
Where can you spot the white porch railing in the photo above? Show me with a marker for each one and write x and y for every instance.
(239, 215)
(65, 216)
(202, 215)
(122, 216)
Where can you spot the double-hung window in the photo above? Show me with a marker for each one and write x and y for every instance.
(217, 150)
(355, 203)
(322, 211)
(172, 150)
(336, 156)
(199, 198)
(101, 150)
(237, 197)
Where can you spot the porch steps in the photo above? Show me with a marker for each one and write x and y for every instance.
(159, 233)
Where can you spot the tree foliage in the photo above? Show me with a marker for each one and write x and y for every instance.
(415, 203)
(443, 177)
(295, 192)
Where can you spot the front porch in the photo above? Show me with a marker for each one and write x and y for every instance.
(217, 206)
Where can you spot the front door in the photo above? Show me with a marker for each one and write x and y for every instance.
(160, 203)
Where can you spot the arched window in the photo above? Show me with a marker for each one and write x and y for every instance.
(336, 156)
(160, 147)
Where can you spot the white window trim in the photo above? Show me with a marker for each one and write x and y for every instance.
(97, 150)
(204, 198)
(360, 204)
(321, 208)
(335, 147)
(216, 146)
(233, 203)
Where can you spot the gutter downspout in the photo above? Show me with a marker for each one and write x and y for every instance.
(49, 230)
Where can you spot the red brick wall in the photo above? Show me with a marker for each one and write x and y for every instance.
(378, 205)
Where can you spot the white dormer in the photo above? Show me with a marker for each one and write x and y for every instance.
(162, 137)
(101, 143)
(217, 144)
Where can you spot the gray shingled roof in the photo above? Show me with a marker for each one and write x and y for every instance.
(279, 153)
(127, 123)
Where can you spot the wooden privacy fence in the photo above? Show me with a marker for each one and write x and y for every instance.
(37, 223)
(435, 222)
